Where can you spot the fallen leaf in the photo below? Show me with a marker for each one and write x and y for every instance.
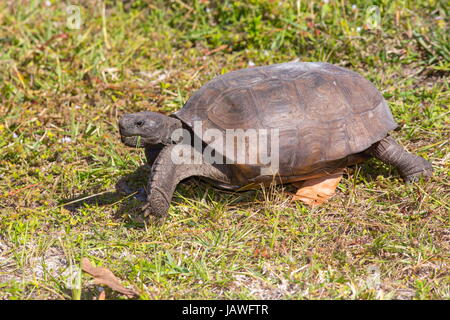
(261, 253)
(318, 190)
(106, 277)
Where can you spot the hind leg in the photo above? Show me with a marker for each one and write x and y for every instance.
(410, 166)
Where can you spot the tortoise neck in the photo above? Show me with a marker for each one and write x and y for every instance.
(170, 134)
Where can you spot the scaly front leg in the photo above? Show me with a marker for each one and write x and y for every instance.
(166, 174)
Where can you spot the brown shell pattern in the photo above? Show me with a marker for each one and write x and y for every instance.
(323, 112)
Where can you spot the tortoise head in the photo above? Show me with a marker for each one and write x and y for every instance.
(147, 128)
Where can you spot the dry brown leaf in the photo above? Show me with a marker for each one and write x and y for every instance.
(318, 190)
(106, 277)
(102, 296)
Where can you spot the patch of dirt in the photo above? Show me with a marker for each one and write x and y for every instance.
(52, 263)
(275, 288)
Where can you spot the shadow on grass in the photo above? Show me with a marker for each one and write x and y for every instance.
(129, 193)
(104, 198)
(372, 168)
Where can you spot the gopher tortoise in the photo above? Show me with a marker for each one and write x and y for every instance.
(319, 118)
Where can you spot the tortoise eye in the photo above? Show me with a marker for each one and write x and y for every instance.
(139, 123)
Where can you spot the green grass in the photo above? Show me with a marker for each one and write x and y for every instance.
(62, 91)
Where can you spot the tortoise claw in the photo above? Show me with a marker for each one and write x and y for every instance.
(415, 177)
(426, 172)
(150, 216)
(145, 209)
(154, 220)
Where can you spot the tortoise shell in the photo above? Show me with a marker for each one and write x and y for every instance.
(324, 113)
